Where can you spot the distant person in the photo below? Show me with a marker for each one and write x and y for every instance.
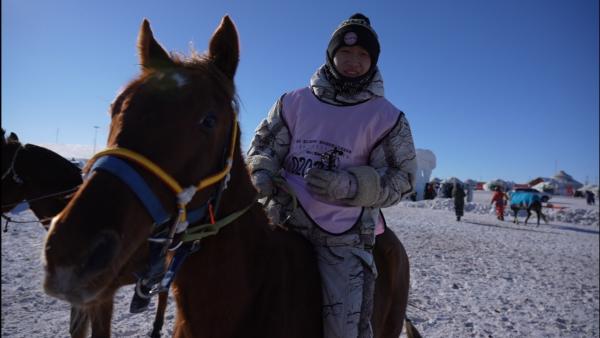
(590, 197)
(345, 151)
(458, 193)
(500, 199)
(570, 191)
(469, 193)
(430, 191)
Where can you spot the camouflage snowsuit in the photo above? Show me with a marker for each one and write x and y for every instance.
(345, 260)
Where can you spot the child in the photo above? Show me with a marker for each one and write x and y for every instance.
(344, 152)
(500, 198)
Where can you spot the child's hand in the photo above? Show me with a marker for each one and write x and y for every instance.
(331, 185)
(263, 182)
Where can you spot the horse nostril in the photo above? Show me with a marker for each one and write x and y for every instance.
(101, 253)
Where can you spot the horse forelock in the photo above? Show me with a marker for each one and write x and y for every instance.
(196, 62)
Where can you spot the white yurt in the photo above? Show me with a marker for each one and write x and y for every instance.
(491, 185)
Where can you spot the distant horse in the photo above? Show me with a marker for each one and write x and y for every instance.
(528, 201)
(37, 175)
(174, 133)
(45, 180)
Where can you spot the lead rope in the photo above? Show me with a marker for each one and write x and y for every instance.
(54, 194)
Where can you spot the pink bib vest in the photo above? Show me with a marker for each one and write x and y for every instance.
(331, 137)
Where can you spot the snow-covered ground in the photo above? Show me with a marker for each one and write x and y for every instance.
(476, 278)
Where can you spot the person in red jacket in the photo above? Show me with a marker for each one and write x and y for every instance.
(500, 198)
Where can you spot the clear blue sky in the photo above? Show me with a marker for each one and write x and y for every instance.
(496, 89)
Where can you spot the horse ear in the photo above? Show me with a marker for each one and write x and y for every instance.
(152, 55)
(13, 137)
(224, 47)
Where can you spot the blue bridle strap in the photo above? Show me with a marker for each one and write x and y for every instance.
(136, 183)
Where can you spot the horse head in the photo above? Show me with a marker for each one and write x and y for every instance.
(175, 125)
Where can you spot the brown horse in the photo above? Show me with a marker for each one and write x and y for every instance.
(45, 180)
(248, 279)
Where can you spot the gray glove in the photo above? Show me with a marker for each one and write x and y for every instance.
(331, 185)
(263, 182)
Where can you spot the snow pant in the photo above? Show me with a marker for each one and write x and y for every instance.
(346, 265)
(348, 275)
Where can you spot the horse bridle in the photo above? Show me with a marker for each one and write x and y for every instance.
(11, 168)
(115, 161)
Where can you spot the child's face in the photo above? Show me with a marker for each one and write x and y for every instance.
(352, 61)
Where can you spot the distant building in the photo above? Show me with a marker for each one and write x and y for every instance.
(561, 184)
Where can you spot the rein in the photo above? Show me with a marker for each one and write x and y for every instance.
(43, 197)
(8, 219)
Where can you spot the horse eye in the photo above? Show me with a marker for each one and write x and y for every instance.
(208, 121)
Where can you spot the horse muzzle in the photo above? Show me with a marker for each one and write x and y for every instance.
(81, 280)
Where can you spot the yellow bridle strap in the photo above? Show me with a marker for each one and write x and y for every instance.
(156, 170)
(220, 175)
(144, 162)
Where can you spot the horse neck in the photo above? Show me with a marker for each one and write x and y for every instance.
(57, 172)
(227, 261)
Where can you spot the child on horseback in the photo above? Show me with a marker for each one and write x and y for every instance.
(326, 159)
(500, 198)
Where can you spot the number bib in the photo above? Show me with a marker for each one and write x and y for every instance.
(334, 138)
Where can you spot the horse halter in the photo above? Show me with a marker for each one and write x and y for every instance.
(109, 160)
(12, 170)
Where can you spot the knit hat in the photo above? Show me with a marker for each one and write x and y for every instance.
(355, 31)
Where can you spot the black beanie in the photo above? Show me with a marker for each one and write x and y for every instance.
(355, 31)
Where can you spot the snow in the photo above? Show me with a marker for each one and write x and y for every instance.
(479, 277)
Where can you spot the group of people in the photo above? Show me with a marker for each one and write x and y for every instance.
(499, 198)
